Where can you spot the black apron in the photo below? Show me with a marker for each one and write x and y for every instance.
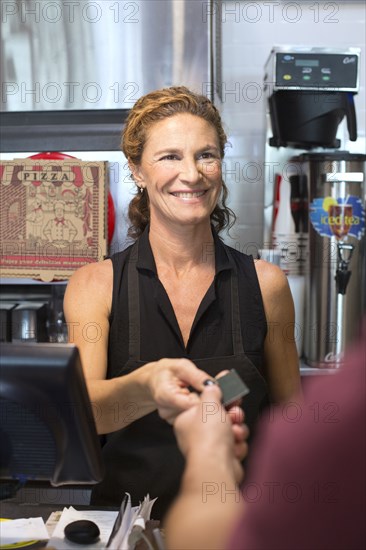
(143, 458)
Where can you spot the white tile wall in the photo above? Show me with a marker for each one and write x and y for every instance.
(249, 30)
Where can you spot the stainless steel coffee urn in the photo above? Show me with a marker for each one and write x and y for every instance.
(335, 274)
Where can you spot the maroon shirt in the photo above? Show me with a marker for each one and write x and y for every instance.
(306, 487)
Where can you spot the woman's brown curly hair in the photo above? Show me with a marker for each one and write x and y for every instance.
(152, 108)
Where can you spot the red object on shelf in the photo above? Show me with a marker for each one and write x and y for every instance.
(52, 155)
(276, 202)
(111, 220)
(111, 212)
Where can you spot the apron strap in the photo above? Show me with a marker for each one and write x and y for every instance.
(238, 347)
(133, 305)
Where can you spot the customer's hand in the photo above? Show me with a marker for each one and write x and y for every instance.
(208, 430)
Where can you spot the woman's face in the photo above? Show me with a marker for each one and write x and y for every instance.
(181, 170)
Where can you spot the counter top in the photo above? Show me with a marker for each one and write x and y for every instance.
(305, 370)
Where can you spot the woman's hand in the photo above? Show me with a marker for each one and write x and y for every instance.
(168, 381)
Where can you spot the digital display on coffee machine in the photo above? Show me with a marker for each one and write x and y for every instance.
(307, 62)
(322, 70)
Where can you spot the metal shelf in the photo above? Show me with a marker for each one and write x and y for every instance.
(89, 130)
(19, 281)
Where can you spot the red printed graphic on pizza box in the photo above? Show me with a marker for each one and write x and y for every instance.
(53, 217)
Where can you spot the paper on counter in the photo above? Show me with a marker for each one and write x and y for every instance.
(104, 520)
(22, 530)
(130, 523)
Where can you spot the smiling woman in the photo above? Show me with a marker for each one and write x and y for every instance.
(178, 306)
(180, 169)
(164, 106)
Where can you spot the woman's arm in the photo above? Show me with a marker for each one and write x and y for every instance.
(281, 358)
(119, 401)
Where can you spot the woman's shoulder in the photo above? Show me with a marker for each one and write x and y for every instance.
(89, 291)
(240, 257)
(268, 271)
(118, 259)
(272, 279)
(92, 280)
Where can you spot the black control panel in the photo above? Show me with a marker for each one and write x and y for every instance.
(311, 70)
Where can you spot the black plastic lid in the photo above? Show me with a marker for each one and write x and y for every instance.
(329, 156)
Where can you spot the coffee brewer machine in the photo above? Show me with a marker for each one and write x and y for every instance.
(320, 229)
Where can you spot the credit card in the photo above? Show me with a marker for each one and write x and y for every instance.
(232, 387)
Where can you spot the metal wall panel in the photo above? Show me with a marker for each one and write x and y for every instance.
(101, 54)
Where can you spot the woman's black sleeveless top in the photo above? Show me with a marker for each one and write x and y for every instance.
(228, 332)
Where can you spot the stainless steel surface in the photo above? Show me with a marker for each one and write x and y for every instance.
(333, 319)
(339, 177)
(103, 54)
(306, 371)
(28, 322)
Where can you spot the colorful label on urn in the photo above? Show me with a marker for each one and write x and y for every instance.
(339, 217)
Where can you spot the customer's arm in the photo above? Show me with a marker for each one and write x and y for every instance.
(117, 402)
(209, 501)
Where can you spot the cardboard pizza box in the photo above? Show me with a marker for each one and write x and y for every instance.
(53, 217)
